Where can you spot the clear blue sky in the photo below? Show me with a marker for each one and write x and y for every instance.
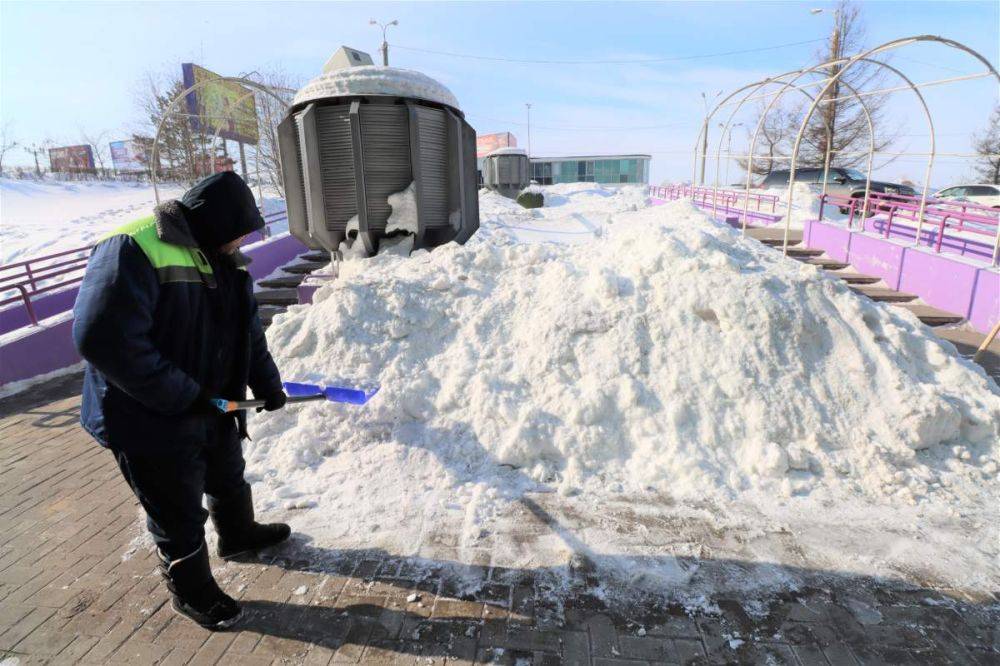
(68, 67)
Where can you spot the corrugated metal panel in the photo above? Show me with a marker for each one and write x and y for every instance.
(299, 165)
(433, 138)
(291, 172)
(333, 128)
(385, 137)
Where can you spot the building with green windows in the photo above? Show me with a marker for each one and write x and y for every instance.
(606, 169)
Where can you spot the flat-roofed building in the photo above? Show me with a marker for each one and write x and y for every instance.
(606, 169)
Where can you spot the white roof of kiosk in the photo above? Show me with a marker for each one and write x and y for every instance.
(375, 80)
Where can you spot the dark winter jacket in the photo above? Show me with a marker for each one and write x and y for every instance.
(157, 334)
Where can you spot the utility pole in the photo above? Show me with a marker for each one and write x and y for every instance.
(704, 134)
(385, 44)
(527, 107)
(835, 53)
(729, 148)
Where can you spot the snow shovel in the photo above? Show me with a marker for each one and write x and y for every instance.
(298, 392)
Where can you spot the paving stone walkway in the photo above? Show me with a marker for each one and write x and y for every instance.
(74, 588)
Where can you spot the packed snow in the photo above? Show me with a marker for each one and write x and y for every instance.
(375, 80)
(39, 217)
(617, 354)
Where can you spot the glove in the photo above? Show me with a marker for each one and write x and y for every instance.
(203, 406)
(274, 401)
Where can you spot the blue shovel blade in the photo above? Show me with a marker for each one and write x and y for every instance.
(333, 393)
(350, 396)
(297, 389)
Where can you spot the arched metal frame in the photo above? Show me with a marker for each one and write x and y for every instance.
(775, 96)
(726, 127)
(260, 87)
(888, 46)
(871, 130)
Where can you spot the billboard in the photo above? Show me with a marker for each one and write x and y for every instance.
(224, 106)
(71, 159)
(487, 143)
(128, 156)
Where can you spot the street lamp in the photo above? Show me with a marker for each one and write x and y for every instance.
(729, 147)
(385, 44)
(527, 107)
(704, 134)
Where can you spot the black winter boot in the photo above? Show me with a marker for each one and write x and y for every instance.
(238, 533)
(196, 595)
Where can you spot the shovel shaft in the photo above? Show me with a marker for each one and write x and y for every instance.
(235, 405)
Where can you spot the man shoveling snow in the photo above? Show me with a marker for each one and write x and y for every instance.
(167, 321)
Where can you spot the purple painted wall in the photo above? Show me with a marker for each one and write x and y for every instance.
(45, 348)
(945, 281)
(15, 316)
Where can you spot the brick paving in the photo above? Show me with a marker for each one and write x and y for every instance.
(69, 595)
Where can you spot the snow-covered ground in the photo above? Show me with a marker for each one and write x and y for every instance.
(41, 217)
(655, 384)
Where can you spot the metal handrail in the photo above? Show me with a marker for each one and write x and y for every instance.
(32, 275)
(936, 212)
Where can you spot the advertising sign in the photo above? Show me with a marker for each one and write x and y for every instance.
(487, 143)
(71, 159)
(223, 106)
(128, 156)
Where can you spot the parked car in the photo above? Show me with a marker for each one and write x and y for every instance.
(842, 181)
(985, 195)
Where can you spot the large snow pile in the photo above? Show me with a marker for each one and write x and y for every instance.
(668, 354)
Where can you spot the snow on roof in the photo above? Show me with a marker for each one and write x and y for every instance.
(507, 150)
(375, 80)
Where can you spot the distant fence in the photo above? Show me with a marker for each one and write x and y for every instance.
(724, 203)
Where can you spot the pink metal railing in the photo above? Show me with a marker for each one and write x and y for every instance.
(721, 200)
(39, 275)
(944, 218)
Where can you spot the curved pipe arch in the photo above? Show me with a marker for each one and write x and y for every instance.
(702, 139)
(887, 46)
(154, 155)
(827, 156)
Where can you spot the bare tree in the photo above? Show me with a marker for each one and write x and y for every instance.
(987, 146)
(840, 124)
(774, 139)
(270, 113)
(7, 142)
(99, 143)
(179, 151)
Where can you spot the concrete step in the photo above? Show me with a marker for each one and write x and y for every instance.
(803, 252)
(967, 341)
(824, 263)
(267, 312)
(772, 236)
(855, 278)
(283, 282)
(883, 294)
(278, 296)
(305, 267)
(931, 315)
(316, 255)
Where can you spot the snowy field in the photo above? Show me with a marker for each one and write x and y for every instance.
(652, 387)
(41, 217)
